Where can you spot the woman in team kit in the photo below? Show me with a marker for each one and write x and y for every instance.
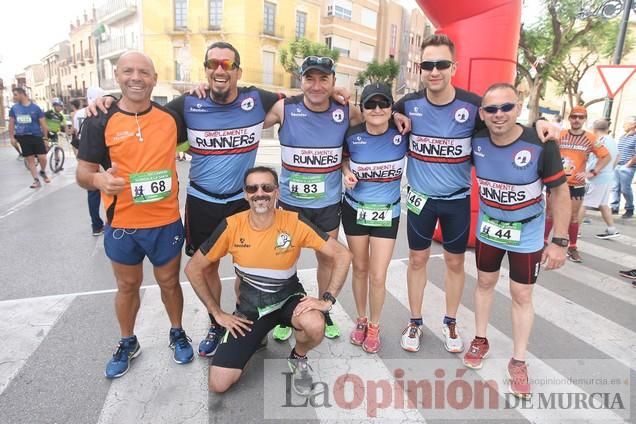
(374, 159)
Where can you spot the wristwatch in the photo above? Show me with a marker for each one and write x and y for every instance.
(560, 241)
(329, 298)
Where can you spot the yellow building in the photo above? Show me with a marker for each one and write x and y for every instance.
(176, 33)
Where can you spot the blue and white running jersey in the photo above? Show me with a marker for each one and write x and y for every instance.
(378, 162)
(439, 146)
(511, 180)
(311, 154)
(223, 140)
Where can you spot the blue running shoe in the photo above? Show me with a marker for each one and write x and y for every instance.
(180, 343)
(208, 346)
(127, 350)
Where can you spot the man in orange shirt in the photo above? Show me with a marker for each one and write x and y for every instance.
(135, 143)
(575, 146)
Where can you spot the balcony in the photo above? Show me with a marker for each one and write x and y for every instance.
(115, 10)
(115, 47)
(277, 32)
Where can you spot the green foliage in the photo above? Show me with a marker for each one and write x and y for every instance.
(379, 72)
(292, 56)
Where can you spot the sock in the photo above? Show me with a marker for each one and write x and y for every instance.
(328, 320)
(448, 320)
(212, 320)
(294, 355)
(548, 228)
(482, 339)
(514, 361)
(573, 231)
(417, 321)
(611, 230)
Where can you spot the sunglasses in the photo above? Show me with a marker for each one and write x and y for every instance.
(226, 64)
(429, 65)
(372, 104)
(506, 107)
(253, 188)
(317, 61)
(578, 117)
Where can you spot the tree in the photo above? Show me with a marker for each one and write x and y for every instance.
(292, 56)
(379, 72)
(544, 45)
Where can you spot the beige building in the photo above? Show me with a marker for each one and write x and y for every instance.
(54, 63)
(418, 28)
(35, 77)
(80, 70)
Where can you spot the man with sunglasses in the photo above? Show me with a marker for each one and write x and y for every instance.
(575, 145)
(512, 166)
(443, 120)
(265, 244)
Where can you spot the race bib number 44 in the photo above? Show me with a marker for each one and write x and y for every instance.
(147, 187)
(375, 215)
(307, 186)
(508, 233)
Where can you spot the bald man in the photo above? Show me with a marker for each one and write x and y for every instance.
(134, 143)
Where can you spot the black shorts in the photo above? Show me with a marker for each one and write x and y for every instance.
(454, 221)
(31, 145)
(576, 193)
(202, 218)
(235, 352)
(524, 267)
(352, 228)
(327, 218)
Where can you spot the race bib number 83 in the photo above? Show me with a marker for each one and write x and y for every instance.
(307, 186)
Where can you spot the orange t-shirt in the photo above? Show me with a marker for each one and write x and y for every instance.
(266, 259)
(143, 147)
(574, 152)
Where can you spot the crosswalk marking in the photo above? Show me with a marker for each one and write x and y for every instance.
(500, 351)
(620, 260)
(614, 340)
(617, 288)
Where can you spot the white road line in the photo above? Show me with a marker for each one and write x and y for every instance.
(156, 389)
(621, 260)
(615, 287)
(24, 326)
(599, 332)
(500, 352)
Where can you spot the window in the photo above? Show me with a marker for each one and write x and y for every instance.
(180, 14)
(269, 19)
(343, 80)
(369, 18)
(340, 8)
(268, 67)
(366, 52)
(301, 24)
(162, 100)
(215, 14)
(343, 45)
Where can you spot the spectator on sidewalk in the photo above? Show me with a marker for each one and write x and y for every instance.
(624, 172)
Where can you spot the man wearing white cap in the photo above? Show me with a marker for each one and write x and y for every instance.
(94, 198)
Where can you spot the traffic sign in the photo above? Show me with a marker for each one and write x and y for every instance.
(615, 77)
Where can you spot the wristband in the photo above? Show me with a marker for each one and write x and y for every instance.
(593, 172)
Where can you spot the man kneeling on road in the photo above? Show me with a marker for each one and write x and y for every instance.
(265, 244)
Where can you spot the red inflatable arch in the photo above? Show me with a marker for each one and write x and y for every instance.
(486, 36)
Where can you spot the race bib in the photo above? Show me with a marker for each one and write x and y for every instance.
(307, 187)
(23, 119)
(374, 215)
(147, 187)
(508, 233)
(415, 201)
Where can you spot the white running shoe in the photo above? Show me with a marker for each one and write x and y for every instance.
(411, 337)
(452, 340)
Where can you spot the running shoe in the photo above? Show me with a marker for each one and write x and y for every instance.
(127, 350)
(452, 341)
(627, 214)
(607, 235)
(372, 343)
(573, 255)
(519, 385)
(282, 333)
(180, 343)
(331, 329)
(208, 346)
(360, 332)
(98, 232)
(476, 354)
(411, 337)
(614, 211)
(302, 379)
(45, 177)
(36, 184)
(628, 274)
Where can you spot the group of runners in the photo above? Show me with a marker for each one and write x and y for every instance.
(262, 221)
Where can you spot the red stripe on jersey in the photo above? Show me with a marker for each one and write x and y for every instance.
(439, 160)
(225, 151)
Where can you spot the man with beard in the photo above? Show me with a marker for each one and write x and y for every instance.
(265, 243)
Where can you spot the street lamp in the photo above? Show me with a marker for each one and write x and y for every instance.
(608, 10)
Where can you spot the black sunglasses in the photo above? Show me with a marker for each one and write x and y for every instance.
(506, 107)
(317, 60)
(429, 65)
(372, 104)
(253, 188)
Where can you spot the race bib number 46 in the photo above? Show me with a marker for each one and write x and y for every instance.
(147, 187)
(508, 233)
(307, 186)
(375, 215)
(415, 201)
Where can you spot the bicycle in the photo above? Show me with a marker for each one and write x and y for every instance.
(55, 155)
